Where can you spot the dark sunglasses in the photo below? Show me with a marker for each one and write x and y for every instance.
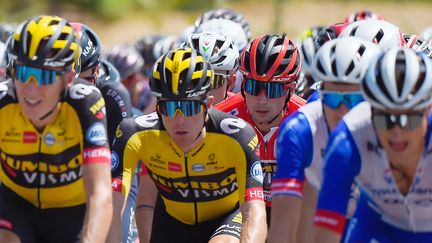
(272, 89)
(42, 76)
(186, 107)
(408, 121)
(335, 99)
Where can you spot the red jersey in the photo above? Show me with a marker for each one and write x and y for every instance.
(236, 106)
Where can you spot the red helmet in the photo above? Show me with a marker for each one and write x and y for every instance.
(271, 58)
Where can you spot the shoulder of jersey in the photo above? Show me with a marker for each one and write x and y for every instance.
(223, 122)
(7, 93)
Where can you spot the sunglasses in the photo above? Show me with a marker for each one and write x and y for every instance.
(272, 90)
(408, 121)
(42, 76)
(186, 107)
(219, 80)
(335, 99)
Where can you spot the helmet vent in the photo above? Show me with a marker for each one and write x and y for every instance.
(378, 36)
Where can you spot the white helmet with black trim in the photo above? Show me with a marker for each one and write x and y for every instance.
(399, 79)
(218, 49)
(380, 32)
(230, 29)
(344, 60)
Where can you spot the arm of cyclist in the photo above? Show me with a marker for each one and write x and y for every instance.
(254, 226)
(294, 154)
(125, 157)
(145, 206)
(342, 164)
(98, 216)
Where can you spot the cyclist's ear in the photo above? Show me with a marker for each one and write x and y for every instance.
(68, 79)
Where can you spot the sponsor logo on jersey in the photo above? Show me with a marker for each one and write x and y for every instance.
(198, 167)
(97, 155)
(253, 143)
(256, 171)
(49, 170)
(173, 166)
(96, 134)
(119, 132)
(197, 188)
(49, 139)
(114, 161)
(98, 106)
(30, 137)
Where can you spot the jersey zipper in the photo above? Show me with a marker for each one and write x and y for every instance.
(190, 188)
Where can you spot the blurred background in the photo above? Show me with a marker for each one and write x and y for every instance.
(124, 21)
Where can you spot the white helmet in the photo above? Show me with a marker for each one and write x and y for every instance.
(427, 34)
(417, 44)
(222, 54)
(307, 50)
(164, 45)
(380, 32)
(399, 79)
(344, 60)
(230, 29)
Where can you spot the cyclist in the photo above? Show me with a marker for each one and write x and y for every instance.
(383, 146)
(223, 57)
(55, 158)
(117, 100)
(270, 65)
(202, 161)
(115, 94)
(340, 64)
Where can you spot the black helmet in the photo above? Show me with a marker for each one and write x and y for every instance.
(126, 59)
(91, 46)
(107, 73)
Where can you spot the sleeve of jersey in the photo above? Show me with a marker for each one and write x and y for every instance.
(254, 174)
(125, 156)
(118, 106)
(341, 166)
(294, 153)
(90, 106)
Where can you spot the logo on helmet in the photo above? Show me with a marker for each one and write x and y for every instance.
(54, 63)
(88, 48)
(175, 68)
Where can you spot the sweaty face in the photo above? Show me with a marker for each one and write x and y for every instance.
(36, 101)
(402, 143)
(185, 131)
(263, 109)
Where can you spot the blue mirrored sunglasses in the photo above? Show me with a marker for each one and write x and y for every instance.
(335, 99)
(42, 76)
(272, 89)
(186, 107)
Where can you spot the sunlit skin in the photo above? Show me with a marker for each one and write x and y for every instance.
(403, 148)
(219, 93)
(333, 116)
(263, 110)
(187, 132)
(36, 101)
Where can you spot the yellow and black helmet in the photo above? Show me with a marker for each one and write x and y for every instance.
(45, 41)
(181, 73)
